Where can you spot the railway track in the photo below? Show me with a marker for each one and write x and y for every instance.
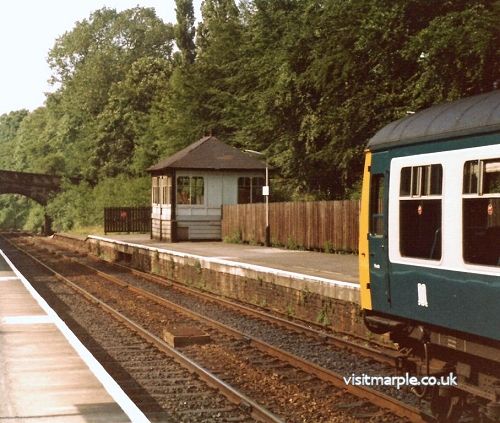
(376, 352)
(296, 388)
(165, 390)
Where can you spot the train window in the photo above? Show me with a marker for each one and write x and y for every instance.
(377, 205)
(471, 177)
(415, 181)
(405, 186)
(420, 181)
(420, 211)
(481, 217)
(491, 178)
(435, 184)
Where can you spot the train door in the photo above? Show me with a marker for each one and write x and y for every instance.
(378, 239)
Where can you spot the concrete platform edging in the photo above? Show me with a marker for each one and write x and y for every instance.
(340, 290)
(109, 384)
(330, 303)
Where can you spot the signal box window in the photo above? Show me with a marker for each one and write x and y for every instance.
(155, 190)
(165, 189)
(257, 184)
(190, 190)
(481, 212)
(197, 190)
(420, 211)
(377, 205)
(250, 190)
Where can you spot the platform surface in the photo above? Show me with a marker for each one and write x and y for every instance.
(341, 267)
(42, 377)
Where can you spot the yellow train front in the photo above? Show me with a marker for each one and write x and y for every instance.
(429, 248)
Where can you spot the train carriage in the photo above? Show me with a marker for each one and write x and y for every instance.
(430, 246)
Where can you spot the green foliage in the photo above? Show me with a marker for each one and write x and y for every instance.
(121, 146)
(234, 238)
(17, 212)
(35, 220)
(73, 207)
(9, 124)
(82, 205)
(292, 244)
(184, 30)
(9, 127)
(323, 317)
(111, 68)
(457, 54)
(328, 247)
(306, 82)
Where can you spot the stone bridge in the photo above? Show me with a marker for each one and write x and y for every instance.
(37, 186)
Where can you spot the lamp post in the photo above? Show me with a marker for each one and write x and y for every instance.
(265, 193)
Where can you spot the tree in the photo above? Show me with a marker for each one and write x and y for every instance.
(121, 144)
(456, 55)
(307, 82)
(9, 126)
(89, 63)
(185, 30)
(217, 68)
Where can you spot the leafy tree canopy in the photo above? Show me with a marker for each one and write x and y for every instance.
(307, 82)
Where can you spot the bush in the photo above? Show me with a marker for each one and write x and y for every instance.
(19, 212)
(80, 205)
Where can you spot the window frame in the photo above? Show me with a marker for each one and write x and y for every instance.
(155, 190)
(252, 189)
(452, 160)
(191, 186)
(377, 205)
(469, 194)
(421, 191)
(165, 185)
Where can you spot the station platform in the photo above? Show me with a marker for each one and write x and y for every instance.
(312, 286)
(333, 267)
(46, 374)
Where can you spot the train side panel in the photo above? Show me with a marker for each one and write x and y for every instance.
(433, 247)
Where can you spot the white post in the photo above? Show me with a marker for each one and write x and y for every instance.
(265, 192)
(268, 232)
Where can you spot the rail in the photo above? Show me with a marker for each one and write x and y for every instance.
(376, 397)
(256, 411)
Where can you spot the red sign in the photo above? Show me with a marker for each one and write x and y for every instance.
(420, 210)
(490, 209)
(123, 214)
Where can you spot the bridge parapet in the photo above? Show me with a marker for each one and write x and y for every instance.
(36, 186)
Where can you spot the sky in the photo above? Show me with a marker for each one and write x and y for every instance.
(28, 30)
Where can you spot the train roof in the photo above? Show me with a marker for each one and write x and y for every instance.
(472, 115)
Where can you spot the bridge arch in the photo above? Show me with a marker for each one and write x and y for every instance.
(37, 186)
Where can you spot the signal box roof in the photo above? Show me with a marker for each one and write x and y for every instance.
(479, 114)
(209, 153)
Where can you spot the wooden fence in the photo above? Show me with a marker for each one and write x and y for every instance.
(127, 219)
(315, 225)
